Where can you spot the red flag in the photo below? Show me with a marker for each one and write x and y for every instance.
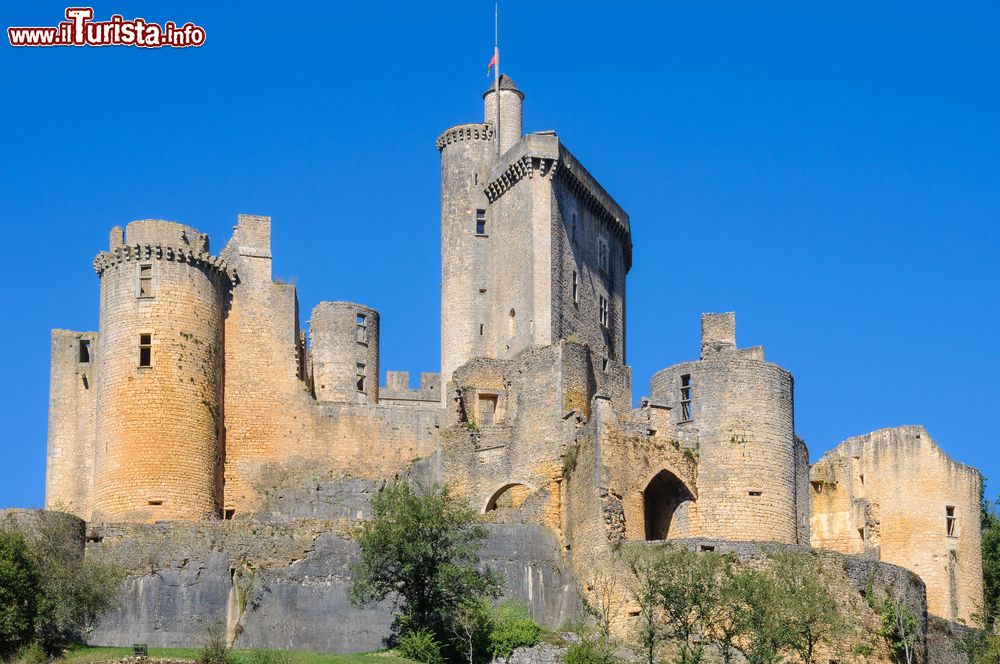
(493, 62)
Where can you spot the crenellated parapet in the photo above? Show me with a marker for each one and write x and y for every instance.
(476, 131)
(144, 252)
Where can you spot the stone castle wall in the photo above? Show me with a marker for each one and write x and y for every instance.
(892, 494)
(69, 468)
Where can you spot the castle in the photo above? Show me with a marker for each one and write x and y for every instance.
(200, 394)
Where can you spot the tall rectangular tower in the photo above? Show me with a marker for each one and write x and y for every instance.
(533, 249)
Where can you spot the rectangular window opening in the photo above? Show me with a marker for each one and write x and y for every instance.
(84, 350)
(861, 534)
(576, 289)
(480, 222)
(362, 331)
(361, 377)
(951, 521)
(572, 227)
(481, 328)
(602, 253)
(756, 493)
(487, 409)
(686, 414)
(145, 350)
(602, 310)
(229, 514)
(707, 547)
(817, 487)
(155, 502)
(604, 365)
(145, 281)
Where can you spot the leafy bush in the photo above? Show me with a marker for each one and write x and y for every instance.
(420, 645)
(215, 650)
(589, 651)
(20, 588)
(512, 628)
(33, 653)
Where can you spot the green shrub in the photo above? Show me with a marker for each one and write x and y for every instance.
(512, 628)
(589, 651)
(33, 653)
(20, 588)
(215, 650)
(420, 646)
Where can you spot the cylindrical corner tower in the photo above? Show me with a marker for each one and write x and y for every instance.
(466, 157)
(511, 100)
(737, 410)
(159, 387)
(344, 348)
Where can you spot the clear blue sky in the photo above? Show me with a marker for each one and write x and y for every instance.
(830, 171)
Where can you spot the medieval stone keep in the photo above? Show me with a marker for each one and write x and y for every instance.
(200, 423)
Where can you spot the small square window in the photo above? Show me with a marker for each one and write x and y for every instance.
(145, 350)
(84, 350)
(480, 222)
(145, 281)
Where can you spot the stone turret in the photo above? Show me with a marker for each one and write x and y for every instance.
(159, 383)
(344, 352)
(737, 410)
(511, 100)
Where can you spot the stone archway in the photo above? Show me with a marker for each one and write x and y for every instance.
(661, 499)
(509, 495)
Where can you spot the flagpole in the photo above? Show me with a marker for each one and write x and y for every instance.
(496, 70)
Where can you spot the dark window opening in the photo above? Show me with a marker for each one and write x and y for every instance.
(155, 502)
(686, 415)
(481, 328)
(86, 383)
(707, 547)
(664, 494)
(229, 514)
(756, 493)
(572, 227)
(951, 521)
(817, 487)
(361, 377)
(145, 281)
(602, 310)
(602, 254)
(604, 364)
(145, 350)
(480, 222)
(84, 350)
(861, 534)
(576, 289)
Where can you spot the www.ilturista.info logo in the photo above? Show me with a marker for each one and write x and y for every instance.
(81, 30)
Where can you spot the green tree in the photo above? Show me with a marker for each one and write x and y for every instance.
(763, 635)
(644, 578)
(420, 548)
(20, 588)
(898, 626)
(802, 595)
(991, 562)
(512, 627)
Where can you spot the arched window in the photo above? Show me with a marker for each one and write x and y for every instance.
(660, 500)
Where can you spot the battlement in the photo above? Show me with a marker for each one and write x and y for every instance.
(476, 131)
(179, 254)
(397, 388)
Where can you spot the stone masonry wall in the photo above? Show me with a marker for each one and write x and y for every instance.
(887, 494)
(345, 338)
(69, 468)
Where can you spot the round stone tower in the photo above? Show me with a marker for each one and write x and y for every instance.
(466, 157)
(737, 411)
(511, 100)
(159, 375)
(344, 348)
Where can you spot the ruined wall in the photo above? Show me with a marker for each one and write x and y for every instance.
(344, 352)
(270, 416)
(397, 392)
(741, 423)
(888, 494)
(69, 468)
(158, 426)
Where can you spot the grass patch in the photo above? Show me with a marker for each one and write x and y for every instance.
(93, 654)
